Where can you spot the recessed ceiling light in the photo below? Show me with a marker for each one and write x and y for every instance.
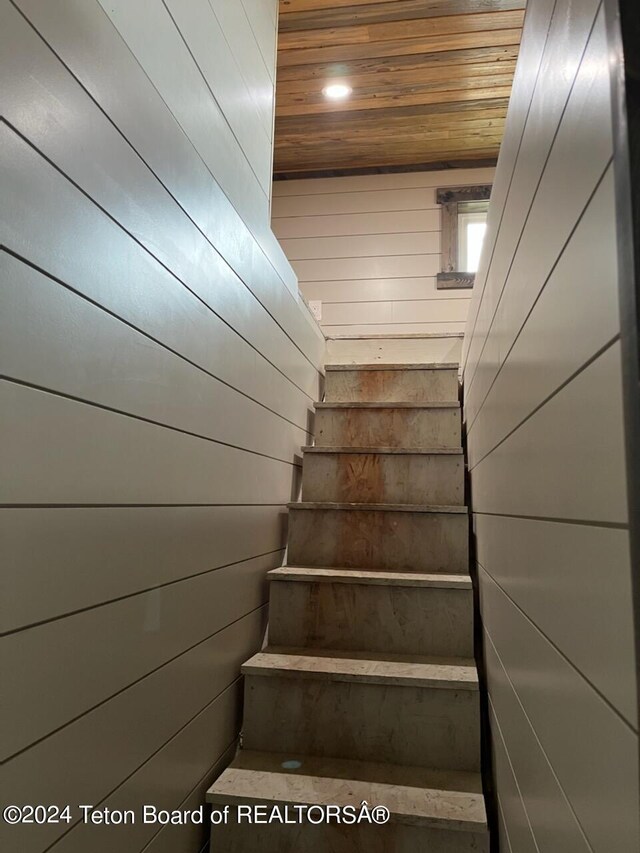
(336, 91)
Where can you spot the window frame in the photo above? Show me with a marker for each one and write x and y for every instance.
(451, 277)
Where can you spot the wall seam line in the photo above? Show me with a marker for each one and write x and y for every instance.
(133, 683)
(561, 654)
(541, 747)
(107, 602)
(533, 198)
(62, 395)
(585, 366)
(130, 325)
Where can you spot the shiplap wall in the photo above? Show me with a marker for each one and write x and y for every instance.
(544, 420)
(368, 248)
(158, 379)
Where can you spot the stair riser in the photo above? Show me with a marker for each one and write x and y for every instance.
(372, 618)
(383, 478)
(420, 428)
(378, 539)
(413, 726)
(372, 386)
(363, 838)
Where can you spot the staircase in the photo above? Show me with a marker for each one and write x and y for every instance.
(368, 689)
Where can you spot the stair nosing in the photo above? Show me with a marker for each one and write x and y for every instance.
(289, 663)
(378, 404)
(426, 789)
(391, 451)
(425, 580)
(379, 507)
(432, 365)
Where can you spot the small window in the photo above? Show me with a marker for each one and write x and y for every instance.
(464, 222)
(472, 223)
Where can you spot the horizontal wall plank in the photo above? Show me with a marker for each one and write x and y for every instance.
(120, 276)
(102, 651)
(529, 661)
(378, 290)
(122, 734)
(80, 557)
(536, 562)
(45, 329)
(391, 181)
(391, 266)
(544, 356)
(372, 201)
(370, 246)
(392, 329)
(59, 451)
(574, 441)
(426, 311)
(397, 350)
(391, 222)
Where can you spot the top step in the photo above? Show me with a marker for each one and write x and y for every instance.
(376, 365)
(390, 383)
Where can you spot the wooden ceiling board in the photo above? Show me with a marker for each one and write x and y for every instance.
(399, 47)
(298, 10)
(426, 115)
(309, 16)
(378, 34)
(301, 74)
(412, 78)
(408, 133)
(372, 159)
(430, 82)
(472, 90)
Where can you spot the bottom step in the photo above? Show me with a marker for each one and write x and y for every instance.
(434, 811)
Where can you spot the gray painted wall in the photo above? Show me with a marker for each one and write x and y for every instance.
(159, 375)
(543, 408)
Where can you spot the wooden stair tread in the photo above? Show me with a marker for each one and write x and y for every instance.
(372, 507)
(358, 576)
(453, 404)
(436, 365)
(409, 451)
(414, 795)
(365, 667)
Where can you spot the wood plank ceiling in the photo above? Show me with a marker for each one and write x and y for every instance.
(431, 81)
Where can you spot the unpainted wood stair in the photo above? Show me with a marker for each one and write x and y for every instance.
(368, 690)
